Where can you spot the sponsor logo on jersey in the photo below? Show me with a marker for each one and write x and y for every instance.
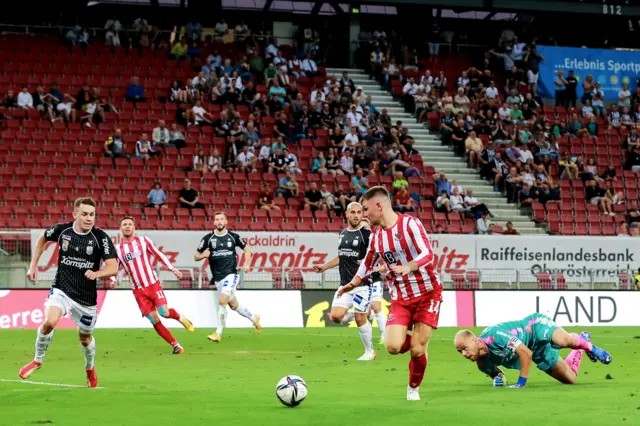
(80, 263)
(49, 232)
(222, 253)
(348, 253)
(131, 256)
(105, 245)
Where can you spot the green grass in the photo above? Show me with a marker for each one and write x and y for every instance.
(233, 383)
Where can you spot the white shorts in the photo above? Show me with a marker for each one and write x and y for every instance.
(359, 298)
(84, 316)
(228, 285)
(533, 78)
(376, 291)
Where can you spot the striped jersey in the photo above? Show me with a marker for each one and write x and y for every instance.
(135, 256)
(77, 254)
(400, 244)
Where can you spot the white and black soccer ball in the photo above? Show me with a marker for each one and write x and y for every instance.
(291, 390)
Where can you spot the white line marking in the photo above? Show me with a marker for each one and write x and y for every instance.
(60, 385)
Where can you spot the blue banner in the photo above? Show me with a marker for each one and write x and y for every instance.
(610, 68)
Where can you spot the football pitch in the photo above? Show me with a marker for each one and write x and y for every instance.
(233, 383)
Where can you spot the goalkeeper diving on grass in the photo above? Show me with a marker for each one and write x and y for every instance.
(518, 344)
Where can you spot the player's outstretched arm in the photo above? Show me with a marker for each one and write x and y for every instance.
(526, 356)
(330, 264)
(32, 273)
(355, 282)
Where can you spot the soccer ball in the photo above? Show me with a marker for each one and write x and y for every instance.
(291, 390)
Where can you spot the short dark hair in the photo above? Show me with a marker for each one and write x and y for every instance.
(127, 218)
(376, 191)
(87, 201)
(219, 213)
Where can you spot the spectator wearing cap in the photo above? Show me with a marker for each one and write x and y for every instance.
(359, 97)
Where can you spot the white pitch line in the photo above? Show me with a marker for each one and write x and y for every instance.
(60, 385)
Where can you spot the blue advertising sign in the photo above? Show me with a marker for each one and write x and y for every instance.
(610, 68)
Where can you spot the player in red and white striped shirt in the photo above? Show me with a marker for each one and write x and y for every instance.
(416, 291)
(134, 254)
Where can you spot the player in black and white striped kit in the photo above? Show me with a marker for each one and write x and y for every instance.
(352, 247)
(81, 250)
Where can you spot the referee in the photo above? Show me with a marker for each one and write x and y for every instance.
(81, 250)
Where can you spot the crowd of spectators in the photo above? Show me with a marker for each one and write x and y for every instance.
(490, 113)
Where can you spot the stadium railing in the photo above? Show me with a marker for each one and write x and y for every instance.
(13, 276)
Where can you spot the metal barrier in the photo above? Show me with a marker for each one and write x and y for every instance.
(14, 276)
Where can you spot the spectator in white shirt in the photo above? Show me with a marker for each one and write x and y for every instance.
(351, 140)
(317, 96)
(309, 66)
(246, 160)
(463, 81)
(160, 135)
(525, 154)
(353, 115)
(291, 162)
(271, 51)
(112, 28)
(492, 90)
(505, 112)
(222, 27)
(624, 96)
(427, 79)
(143, 148)
(346, 163)
(200, 116)
(457, 202)
(25, 100)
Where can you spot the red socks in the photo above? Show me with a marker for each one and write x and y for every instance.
(417, 366)
(406, 346)
(165, 333)
(174, 315)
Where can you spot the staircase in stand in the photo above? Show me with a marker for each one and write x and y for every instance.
(442, 158)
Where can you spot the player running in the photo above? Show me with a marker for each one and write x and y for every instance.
(352, 247)
(219, 247)
(516, 344)
(134, 254)
(416, 291)
(81, 250)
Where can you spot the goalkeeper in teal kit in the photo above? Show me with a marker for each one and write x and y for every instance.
(518, 344)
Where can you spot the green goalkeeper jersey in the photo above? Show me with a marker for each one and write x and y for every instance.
(503, 339)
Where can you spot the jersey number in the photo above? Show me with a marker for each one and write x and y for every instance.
(434, 307)
(389, 257)
(160, 294)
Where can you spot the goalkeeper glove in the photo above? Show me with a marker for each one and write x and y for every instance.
(500, 380)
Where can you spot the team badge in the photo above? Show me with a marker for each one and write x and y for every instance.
(355, 242)
(213, 243)
(229, 244)
(65, 245)
(89, 250)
